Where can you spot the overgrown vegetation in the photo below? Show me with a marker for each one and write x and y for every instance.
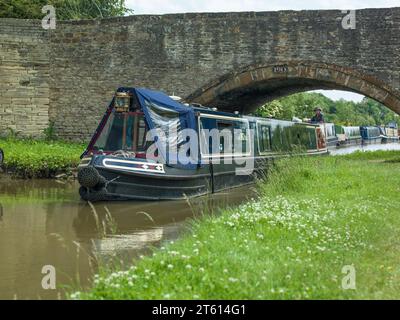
(50, 132)
(28, 158)
(65, 9)
(314, 216)
(366, 112)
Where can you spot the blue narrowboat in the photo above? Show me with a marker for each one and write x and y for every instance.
(150, 146)
(370, 135)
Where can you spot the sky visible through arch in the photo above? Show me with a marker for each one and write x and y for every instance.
(182, 6)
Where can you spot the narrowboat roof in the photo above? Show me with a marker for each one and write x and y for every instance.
(165, 100)
(190, 110)
(369, 127)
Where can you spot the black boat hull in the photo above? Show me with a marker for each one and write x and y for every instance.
(168, 184)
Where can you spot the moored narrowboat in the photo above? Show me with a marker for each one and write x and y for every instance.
(348, 135)
(151, 146)
(390, 133)
(370, 135)
(332, 140)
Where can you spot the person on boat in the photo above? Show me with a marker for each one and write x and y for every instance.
(318, 117)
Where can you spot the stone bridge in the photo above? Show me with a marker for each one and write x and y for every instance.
(234, 61)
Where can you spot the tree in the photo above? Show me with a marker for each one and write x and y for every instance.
(90, 9)
(65, 9)
(274, 109)
(22, 9)
(302, 105)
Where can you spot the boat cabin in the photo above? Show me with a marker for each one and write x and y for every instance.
(133, 112)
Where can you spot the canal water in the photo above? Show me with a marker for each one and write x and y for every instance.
(370, 147)
(43, 222)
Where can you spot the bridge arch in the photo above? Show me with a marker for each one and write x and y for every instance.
(251, 87)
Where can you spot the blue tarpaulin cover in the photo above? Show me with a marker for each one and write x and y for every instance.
(164, 113)
(186, 114)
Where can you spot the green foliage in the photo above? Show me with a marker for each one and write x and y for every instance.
(50, 132)
(274, 109)
(314, 216)
(90, 9)
(23, 9)
(302, 105)
(43, 159)
(65, 9)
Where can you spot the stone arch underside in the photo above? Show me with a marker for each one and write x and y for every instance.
(253, 86)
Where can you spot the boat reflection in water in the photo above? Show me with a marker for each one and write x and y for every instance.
(115, 245)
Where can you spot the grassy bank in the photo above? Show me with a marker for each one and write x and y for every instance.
(39, 158)
(314, 217)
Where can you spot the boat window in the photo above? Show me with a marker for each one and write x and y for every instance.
(288, 137)
(233, 136)
(123, 131)
(142, 135)
(226, 136)
(280, 135)
(264, 138)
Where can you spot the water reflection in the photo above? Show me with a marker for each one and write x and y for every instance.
(370, 147)
(44, 223)
(135, 241)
